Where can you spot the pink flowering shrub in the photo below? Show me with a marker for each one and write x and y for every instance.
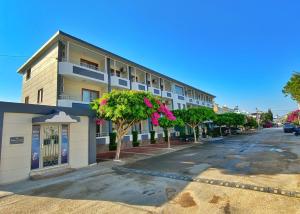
(163, 109)
(293, 116)
(148, 103)
(154, 118)
(103, 102)
(99, 121)
(126, 108)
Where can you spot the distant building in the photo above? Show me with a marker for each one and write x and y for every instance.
(222, 109)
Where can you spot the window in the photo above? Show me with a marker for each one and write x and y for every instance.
(183, 106)
(40, 96)
(26, 101)
(28, 74)
(88, 64)
(179, 90)
(89, 95)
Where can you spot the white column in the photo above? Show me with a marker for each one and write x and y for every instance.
(68, 52)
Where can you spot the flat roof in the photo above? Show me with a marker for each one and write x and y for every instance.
(58, 33)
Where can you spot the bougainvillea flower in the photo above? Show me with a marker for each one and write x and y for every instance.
(154, 118)
(158, 102)
(100, 122)
(293, 116)
(103, 102)
(164, 109)
(148, 103)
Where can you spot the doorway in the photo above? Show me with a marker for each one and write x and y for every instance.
(50, 148)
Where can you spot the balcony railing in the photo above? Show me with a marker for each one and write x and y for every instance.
(167, 94)
(120, 82)
(68, 101)
(84, 71)
(93, 67)
(155, 91)
(139, 86)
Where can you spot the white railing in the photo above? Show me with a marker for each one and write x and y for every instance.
(120, 82)
(102, 134)
(139, 86)
(83, 64)
(167, 94)
(66, 97)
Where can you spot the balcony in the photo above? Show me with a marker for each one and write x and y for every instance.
(139, 86)
(180, 98)
(155, 91)
(69, 101)
(120, 82)
(167, 94)
(190, 100)
(82, 72)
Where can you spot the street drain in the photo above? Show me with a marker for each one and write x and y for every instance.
(215, 182)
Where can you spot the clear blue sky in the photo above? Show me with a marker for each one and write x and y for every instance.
(241, 51)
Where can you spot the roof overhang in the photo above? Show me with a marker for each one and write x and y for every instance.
(58, 117)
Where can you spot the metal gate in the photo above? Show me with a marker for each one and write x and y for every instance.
(50, 145)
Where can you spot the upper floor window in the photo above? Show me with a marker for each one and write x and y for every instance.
(26, 101)
(89, 64)
(89, 95)
(179, 90)
(28, 73)
(40, 96)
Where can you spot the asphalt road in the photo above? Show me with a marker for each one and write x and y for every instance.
(269, 158)
(268, 152)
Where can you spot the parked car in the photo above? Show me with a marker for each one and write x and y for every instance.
(288, 128)
(268, 125)
(297, 131)
(236, 131)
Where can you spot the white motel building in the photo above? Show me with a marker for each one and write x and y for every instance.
(53, 128)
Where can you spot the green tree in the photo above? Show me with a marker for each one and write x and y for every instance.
(266, 117)
(125, 108)
(251, 122)
(222, 120)
(233, 119)
(238, 119)
(193, 117)
(292, 87)
(167, 124)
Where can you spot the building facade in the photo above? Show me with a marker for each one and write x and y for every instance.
(69, 72)
(53, 128)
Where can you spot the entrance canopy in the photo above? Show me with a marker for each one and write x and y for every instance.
(57, 117)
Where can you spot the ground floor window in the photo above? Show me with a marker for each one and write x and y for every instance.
(89, 95)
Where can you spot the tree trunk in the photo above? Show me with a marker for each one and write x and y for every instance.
(195, 136)
(221, 131)
(169, 143)
(118, 151)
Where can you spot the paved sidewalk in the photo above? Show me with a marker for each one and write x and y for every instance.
(145, 151)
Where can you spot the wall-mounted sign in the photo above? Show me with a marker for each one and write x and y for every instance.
(16, 140)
